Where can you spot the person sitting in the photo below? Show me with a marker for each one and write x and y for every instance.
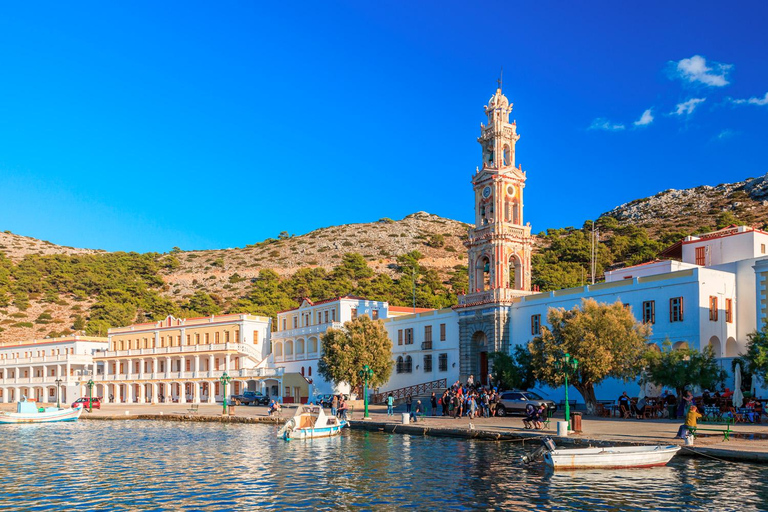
(624, 405)
(638, 409)
(541, 417)
(706, 398)
(690, 421)
(273, 407)
(416, 411)
(530, 416)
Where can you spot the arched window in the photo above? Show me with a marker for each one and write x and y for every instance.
(310, 371)
(302, 371)
(399, 366)
(408, 366)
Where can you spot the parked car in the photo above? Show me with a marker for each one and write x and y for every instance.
(250, 398)
(95, 403)
(514, 402)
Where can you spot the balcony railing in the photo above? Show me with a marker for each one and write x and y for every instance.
(309, 330)
(426, 345)
(211, 375)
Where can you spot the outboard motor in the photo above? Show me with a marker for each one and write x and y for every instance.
(547, 445)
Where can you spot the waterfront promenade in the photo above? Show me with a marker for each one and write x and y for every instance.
(594, 430)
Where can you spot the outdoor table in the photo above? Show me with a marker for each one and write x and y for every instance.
(614, 408)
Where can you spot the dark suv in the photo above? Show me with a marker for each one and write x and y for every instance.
(514, 402)
(83, 402)
(250, 398)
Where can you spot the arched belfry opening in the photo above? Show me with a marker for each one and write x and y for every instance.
(516, 273)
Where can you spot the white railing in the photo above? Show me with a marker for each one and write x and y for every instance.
(59, 359)
(300, 332)
(183, 350)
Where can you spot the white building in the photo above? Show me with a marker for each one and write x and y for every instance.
(31, 368)
(296, 345)
(425, 348)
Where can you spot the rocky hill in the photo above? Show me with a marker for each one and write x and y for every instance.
(698, 209)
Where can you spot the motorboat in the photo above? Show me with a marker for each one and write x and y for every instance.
(28, 412)
(309, 422)
(602, 457)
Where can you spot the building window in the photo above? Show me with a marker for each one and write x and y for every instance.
(326, 317)
(762, 248)
(399, 336)
(729, 310)
(197, 339)
(333, 315)
(409, 336)
(649, 312)
(353, 312)
(701, 258)
(536, 324)
(399, 365)
(295, 322)
(255, 337)
(676, 309)
(428, 333)
(375, 314)
(216, 336)
(207, 338)
(226, 336)
(408, 365)
(428, 363)
(713, 309)
(442, 332)
(285, 322)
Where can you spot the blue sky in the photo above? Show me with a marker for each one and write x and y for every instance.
(147, 125)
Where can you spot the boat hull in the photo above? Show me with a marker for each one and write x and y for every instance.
(41, 417)
(620, 457)
(313, 433)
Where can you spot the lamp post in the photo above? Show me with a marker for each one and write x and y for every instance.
(567, 364)
(58, 393)
(365, 374)
(90, 395)
(224, 380)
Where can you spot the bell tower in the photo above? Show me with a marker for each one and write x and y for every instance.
(499, 246)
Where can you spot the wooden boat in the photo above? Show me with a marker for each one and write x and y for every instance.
(610, 457)
(309, 422)
(27, 412)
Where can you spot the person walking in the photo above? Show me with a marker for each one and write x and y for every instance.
(390, 405)
(433, 403)
(408, 403)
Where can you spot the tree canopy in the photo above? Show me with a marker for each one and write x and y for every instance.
(606, 339)
(513, 371)
(756, 359)
(360, 342)
(683, 367)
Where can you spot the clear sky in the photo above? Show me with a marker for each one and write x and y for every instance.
(147, 125)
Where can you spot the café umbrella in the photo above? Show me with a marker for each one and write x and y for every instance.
(738, 396)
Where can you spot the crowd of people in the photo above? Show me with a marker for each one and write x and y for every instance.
(470, 399)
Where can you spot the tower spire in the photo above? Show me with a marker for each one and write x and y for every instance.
(501, 74)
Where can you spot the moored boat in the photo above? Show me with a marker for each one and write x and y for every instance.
(604, 457)
(310, 421)
(27, 412)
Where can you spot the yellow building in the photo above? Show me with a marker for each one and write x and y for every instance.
(183, 359)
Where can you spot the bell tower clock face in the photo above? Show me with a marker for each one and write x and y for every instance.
(486, 192)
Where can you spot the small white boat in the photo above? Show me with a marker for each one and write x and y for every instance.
(310, 421)
(610, 457)
(605, 457)
(27, 412)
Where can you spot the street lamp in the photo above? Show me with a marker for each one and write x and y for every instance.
(365, 374)
(90, 395)
(58, 393)
(567, 364)
(224, 380)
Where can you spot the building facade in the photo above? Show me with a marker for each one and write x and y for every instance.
(183, 359)
(31, 368)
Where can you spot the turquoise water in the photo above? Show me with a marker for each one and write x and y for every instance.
(153, 465)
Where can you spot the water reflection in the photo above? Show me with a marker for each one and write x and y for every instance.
(149, 465)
